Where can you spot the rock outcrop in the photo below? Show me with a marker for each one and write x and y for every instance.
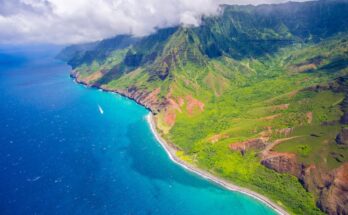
(342, 137)
(282, 162)
(147, 99)
(334, 195)
(253, 144)
(330, 188)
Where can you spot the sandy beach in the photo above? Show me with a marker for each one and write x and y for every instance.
(221, 182)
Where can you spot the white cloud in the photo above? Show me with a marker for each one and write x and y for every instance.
(74, 21)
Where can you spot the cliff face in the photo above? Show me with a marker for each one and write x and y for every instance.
(334, 196)
(330, 187)
(145, 98)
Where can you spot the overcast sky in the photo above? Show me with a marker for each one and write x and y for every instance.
(76, 21)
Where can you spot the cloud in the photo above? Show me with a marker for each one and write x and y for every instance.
(75, 21)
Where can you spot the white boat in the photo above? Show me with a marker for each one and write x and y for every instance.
(100, 110)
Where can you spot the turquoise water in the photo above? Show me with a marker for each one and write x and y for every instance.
(60, 155)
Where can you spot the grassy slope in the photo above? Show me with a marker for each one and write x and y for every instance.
(239, 108)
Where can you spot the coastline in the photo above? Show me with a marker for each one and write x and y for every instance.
(171, 152)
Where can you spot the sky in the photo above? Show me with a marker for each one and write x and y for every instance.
(78, 21)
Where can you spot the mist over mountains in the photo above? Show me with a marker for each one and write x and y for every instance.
(64, 21)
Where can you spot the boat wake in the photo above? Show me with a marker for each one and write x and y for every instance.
(34, 179)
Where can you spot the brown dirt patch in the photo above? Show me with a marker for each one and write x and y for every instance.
(181, 102)
(272, 117)
(174, 105)
(305, 68)
(152, 97)
(309, 116)
(293, 93)
(266, 133)
(217, 137)
(284, 131)
(342, 174)
(280, 107)
(269, 147)
(255, 144)
(169, 118)
(93, 77)
(193, 105)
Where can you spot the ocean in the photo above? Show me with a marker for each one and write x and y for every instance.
(68, 149)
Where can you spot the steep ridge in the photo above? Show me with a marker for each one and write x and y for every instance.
(256, 95)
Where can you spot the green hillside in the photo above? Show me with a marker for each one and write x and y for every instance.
(256, 95)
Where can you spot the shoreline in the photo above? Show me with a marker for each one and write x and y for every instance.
(171, 152)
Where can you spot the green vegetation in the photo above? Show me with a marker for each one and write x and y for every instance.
(243, 111)
(247, 171)
(274, 72)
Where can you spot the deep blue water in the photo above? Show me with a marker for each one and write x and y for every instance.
(60, 155)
